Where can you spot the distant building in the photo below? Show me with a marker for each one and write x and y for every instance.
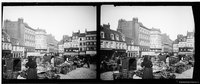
(112, 42)
(6, 45)
(175, 46)
(18, 50)
(41, 40)
(52, 44)
(136, 31)
(132, 50)
(22, 32)
(155, 40)
(190, 40)
(186, 43)
(82, 43)
(90, 41)
(166, 43)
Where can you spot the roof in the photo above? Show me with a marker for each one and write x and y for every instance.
(81, 35)
(40, 30)
(91, 32)
(26, 25)
(175, 42)
(155, 29)
(190, 33)
(108, 31)
(143, 25)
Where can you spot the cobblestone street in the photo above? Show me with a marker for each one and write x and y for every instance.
(81, 73)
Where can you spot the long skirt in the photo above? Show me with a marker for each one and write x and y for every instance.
(147, 73)
(32, 73)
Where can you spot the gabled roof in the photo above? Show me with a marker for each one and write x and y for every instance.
(108, 32)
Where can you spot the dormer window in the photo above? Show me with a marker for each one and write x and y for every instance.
(112, 36)
(123, 38)
(102, 34)
(117, 37)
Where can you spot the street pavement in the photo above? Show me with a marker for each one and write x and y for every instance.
(81, 73)
(185, 75)
(188, 74)
(107, 75)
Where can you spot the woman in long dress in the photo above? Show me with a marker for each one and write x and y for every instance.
(147, 66)
(32, 71)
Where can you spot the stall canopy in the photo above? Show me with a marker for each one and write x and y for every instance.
(34, 54)
(184, 53)
(150, 53)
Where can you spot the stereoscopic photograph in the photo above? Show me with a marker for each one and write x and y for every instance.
(49, 42)
(146, 42)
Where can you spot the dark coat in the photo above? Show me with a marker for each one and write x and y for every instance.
(148, 71)
(32, 71)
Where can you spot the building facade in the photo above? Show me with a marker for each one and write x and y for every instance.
(52, 44)
(155, 40)
(6, 45)
(22, 32)
(132, 51)
(175, 46)
(18, 50)
(82, 43)
(190, 41)
(112, 43)
(186, 43)
(166, 43)
(90, 41)
(41, 40)
(136, 31)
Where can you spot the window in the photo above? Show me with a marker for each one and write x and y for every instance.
(117, 37)
(102, 34)
(112, 36)
(123, 38)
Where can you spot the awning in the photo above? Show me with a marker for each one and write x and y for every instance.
(71, 53)
(181, 53)
(91, 52)
(34, 54)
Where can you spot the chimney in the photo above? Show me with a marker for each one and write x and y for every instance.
(135, 19)
(106, 26)
(20, 20)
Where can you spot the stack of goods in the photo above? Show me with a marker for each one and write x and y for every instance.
(164, 75)
(41, 68)
(131, 74)
(181, 66)
(139, 73)
(173, 60)
(117, 76)
(171, 69)
(158, 66)
(48, 75)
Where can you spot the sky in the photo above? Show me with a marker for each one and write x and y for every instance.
(172, 20)
(56, 20)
